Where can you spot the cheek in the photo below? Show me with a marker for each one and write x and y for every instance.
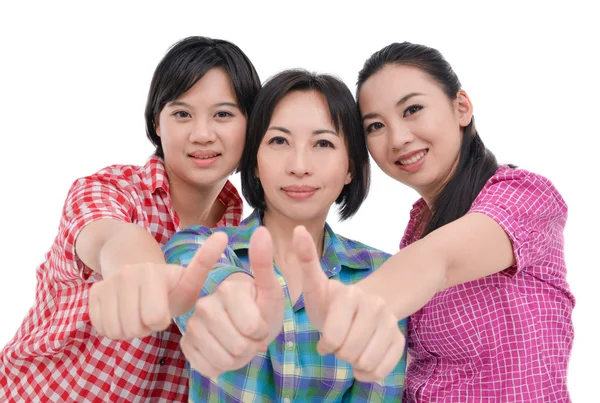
(377, 148)
(234, 135)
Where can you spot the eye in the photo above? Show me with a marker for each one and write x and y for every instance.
(324, 143)
(373, 127)
(182, 114)
(411, 110)
(223, 114)
(278, 140)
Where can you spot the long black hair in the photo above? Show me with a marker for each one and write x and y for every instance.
(476, 164)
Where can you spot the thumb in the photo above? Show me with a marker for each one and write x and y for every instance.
(261, 261)
(314, 281)
(184, 294)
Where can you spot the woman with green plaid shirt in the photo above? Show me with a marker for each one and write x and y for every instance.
(254, 335)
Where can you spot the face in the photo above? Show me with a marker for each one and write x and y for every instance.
(414, 131)
(302, 161)
(202, 132)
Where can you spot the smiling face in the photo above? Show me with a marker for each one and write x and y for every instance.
(413, 129)
(202, 132)
(302, 161)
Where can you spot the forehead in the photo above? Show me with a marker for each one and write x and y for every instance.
(298, 107)
(216, 83)
(393, 82)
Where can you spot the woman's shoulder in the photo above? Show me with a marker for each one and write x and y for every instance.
(150, 175)
(515, 184)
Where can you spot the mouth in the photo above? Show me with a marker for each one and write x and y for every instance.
(412, 158)
(204, 156)
(299, 192)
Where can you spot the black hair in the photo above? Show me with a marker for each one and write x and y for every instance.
(476, 164)
(344, 116)
(186, 62)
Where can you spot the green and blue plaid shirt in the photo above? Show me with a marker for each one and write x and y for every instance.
(291, 370)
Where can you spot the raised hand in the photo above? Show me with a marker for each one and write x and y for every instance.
(355, 326)
(142, 298)
(240, 319)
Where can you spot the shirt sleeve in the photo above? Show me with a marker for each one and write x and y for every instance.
(529, 209)
(390, 389)
(88, 200)
(181, 248)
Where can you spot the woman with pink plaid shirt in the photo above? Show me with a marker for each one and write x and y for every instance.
(481, 271)
(105, 277)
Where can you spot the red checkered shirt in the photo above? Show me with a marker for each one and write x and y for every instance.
(506, 337)
(56, 355)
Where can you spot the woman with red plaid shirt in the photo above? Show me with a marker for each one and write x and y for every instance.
(113, 226)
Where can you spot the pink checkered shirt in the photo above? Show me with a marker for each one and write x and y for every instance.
(506, 337)
(56, 355)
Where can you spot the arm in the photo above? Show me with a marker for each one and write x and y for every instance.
(107, 244)
(469, 248)
(515, 220)
(138, 292)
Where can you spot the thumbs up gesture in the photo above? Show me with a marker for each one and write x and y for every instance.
(355, 326)
(240, 319)
(138, 299)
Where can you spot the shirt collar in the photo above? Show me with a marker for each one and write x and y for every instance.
(337, 251)
(156, 178)
(156, 175)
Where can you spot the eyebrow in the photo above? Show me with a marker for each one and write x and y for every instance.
(185, 104)
(400, 102)
(315, 132)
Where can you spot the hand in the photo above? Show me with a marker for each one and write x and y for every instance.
(240, 319)
(355, 326)
(139, 299)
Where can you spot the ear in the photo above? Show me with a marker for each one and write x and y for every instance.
(156, 127)
(348, 178)
(464, 108)
(256, 175)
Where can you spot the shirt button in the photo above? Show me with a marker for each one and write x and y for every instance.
(162, 362)
(289, 345)
(287, 400)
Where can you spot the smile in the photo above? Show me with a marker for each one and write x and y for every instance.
(413, 159)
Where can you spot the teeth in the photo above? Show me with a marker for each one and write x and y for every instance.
(413, 159)
(205, 157)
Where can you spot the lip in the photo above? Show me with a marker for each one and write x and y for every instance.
(204, 158)
(299, 192)
(411, 154)
(204, 153)
(414, 166)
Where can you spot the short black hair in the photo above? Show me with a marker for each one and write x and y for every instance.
(186, 62)
(344, 116)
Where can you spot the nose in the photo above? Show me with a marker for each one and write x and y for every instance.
(299, 163)
(202, 132)
(399, 136)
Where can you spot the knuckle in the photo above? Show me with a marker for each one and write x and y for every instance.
(204, 309)
(157, 319)
(239, 347)
(331, 340)
(377, 304)
(365, 364)
(379, 373)
(225, 288)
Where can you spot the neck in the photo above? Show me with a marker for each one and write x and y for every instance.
(196, 205)
(282, 229)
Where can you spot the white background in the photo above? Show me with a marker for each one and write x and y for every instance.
(74, 80)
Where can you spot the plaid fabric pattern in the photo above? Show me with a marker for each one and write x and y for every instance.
(506, 337)
(291, 369)
(56, 355)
